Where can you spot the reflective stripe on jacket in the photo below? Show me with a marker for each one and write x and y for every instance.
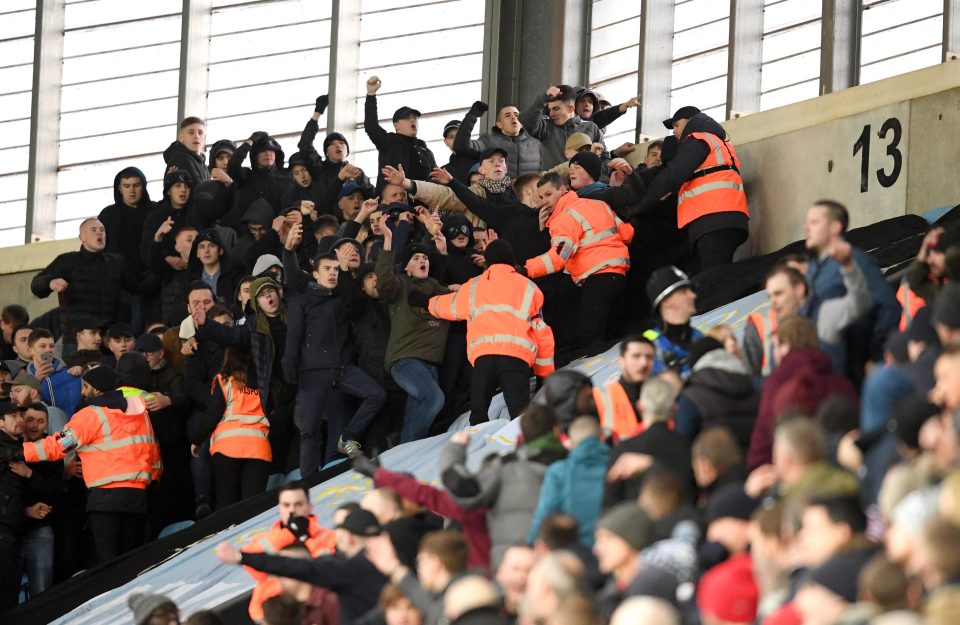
(504, 318)
(243, 431)
(716, 185)
(617, 415)
(910, 302)
(586, 238)
(117, 448)
(766, 326)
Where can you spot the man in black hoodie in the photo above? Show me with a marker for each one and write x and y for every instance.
(265, 179)
(186, 153)
(705, 173)
(123, 220)
(400, 149)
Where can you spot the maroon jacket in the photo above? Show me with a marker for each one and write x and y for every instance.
(473, 523)
(803, 380)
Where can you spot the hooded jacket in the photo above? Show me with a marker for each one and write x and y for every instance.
(393, 148)
(189, 215)
(574, 486)
(255, 333)
(414, 333)
(326, 183)
(247, 249)
(719, 392)
(124, 224)
(179, 156)
(523, 151)
(553, 138)
(456, 266)
(803, 379)
(690, 153)
(508, 487)
(255, 182)
(230, 273)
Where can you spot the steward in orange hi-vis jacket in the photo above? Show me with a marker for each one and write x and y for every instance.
(506, 334)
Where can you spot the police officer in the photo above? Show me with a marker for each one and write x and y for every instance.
(674, 303)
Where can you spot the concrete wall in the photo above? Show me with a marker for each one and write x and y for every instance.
(18, 266)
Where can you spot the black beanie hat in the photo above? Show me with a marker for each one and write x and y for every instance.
(330, 138)
(175, 176)
(404, 258)
(102, 378)
(589, 161)
(500, 252)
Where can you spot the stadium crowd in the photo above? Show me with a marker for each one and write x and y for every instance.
(267, 317)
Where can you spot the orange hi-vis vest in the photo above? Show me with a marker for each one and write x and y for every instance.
(586, 238)
(617, 416)
(243, 431)
(117, 448)
(322, 542)
(910, 302)
(504, 318)
(766, 325)
(716, 185)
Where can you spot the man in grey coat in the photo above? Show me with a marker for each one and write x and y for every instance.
(508, 134)
(507, 486)
(559, 123)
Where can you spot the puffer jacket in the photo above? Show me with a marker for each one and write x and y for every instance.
(574, 486)
(177, 155)
(508, 487)
(523, 151)
(95, 280)
(719, 392)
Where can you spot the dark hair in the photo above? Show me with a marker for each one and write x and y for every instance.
(350, 507)
(204, 617)
(794, 277)
(200, 285)
(522, 181)
(219, 309)
(15, 314)
(633, 338)
(835, 212)
(536, 421)
(297, 485)
(39, 406)
(37, 334)
(655, 144)
(283, 609)
(235, 361)
(190, 121)
(559, 531)
(13, 334)
(449, 546)
(567, 94)
(665, 488)
(551, 177)
(718, 446)
(325, 221)
(843, 509)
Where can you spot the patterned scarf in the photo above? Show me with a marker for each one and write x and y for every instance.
(494, 186)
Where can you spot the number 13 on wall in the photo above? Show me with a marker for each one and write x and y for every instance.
(890, 127)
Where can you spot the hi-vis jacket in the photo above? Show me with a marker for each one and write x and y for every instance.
(322, 542)
(243, 431)
(766, 326)
(504, 317)
(617, 415)
(586, 238)
(116, 446)
(715, 187)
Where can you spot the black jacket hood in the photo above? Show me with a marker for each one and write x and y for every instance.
(259, 212)
(701, 122)
(130, 172)
(223, 145)
(262, 146)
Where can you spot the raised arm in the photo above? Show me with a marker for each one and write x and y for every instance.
(371, 121)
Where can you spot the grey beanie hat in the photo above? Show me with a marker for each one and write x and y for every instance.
(143, 606)
(629, 522)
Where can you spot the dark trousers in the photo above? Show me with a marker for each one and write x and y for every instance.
(236, 479)
(600, 302)
(716, 248)
(315, 387)
(506, 372)
(115, 533)
(9, 570)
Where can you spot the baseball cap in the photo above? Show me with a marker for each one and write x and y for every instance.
(450, 125)
(491, 151)
(8, 407)
(348, 189)
(149, 343)
(361, 523)
(577, 140)
(120, 329)
(404, 112)
(684, 112)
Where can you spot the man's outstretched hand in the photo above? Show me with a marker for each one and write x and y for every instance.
(365, 466)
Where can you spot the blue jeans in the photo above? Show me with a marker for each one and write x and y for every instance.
(36, 559)
(424, 396)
